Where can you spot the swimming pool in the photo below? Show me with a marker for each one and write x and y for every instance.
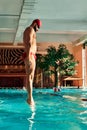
(51, 112)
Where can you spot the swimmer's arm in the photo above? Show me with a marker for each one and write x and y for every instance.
(31, 33)
(69, 97)
(74, 98)
(28, 36)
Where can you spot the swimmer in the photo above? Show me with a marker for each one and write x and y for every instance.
(70, 97)
(74, 98)
(56, 89)
(29, 56)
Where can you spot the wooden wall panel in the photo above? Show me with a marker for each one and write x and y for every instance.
(78, 56)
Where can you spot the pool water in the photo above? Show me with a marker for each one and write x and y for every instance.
(51, 112)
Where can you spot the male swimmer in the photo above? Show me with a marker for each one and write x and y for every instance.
(29, 57)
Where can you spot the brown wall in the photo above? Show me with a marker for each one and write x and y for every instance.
(78, 56)
(86, 65)
(43, 46)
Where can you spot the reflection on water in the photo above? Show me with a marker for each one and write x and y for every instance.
(84, 88)
(31, 119)
(83, 113)
(1, 102)
(84, 104)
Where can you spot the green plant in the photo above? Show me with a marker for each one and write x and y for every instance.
(59, 62)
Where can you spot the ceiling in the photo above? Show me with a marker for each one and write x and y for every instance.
(62, 20)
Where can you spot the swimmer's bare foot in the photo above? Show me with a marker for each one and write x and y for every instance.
(30, 102)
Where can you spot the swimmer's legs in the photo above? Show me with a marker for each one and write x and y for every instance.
(30, 69)
(29, 88)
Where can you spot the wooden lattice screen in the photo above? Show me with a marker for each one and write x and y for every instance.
(11, 56)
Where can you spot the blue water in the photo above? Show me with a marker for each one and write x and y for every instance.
(51, 112)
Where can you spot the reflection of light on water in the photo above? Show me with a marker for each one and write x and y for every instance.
(84, 104)
(1, 101)
(84, 120)
(84, 88)
(83, 113)
(32, 117)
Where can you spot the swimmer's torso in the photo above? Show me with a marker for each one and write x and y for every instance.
(30, 40)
